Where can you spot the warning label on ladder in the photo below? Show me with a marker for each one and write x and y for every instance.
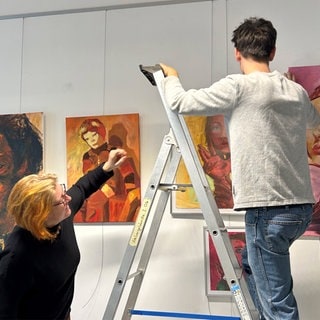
(138, 227)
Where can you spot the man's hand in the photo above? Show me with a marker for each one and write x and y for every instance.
(290, 76)
(169, 71)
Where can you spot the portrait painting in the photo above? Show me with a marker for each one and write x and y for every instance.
(21, 154)
(309, 78)
(216, 283)
(89, 140)
(209, 136)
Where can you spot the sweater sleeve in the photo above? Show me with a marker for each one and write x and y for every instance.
(219, 98)
(87, 185)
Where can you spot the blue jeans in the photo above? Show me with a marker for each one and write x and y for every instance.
(270, 231)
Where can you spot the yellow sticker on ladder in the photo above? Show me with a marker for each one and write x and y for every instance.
(139, 224)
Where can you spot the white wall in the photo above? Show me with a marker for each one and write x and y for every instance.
(86, 63)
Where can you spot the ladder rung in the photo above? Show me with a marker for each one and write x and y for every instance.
(133, 275)
(174, 187)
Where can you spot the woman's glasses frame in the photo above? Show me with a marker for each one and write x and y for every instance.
(63, 196)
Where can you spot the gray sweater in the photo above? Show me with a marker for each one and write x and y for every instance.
(267, 117)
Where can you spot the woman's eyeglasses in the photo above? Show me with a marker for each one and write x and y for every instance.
(63, 196)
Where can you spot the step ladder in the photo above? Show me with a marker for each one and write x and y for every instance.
(176, 144)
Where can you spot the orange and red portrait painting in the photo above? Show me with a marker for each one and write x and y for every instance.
(89, 141)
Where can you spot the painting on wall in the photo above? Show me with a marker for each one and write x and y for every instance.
(309, 78)
(209, 136)
(21, 154)
(216, 284)
(89, 140)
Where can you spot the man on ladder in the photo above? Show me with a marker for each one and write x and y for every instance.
(267, 116)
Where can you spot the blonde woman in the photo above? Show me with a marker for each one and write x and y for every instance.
(40, 259)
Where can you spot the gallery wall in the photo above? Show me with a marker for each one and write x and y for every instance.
(85, 62)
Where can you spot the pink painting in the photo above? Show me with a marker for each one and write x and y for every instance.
(309, 78)
(215, 274)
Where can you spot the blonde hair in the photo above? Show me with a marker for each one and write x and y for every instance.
(30, 202)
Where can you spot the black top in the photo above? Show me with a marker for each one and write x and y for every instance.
(37, 277)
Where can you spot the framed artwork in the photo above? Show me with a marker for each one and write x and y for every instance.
(309, 78)
(216, 285)
(89, 141)
(21, 154)
(209, 136)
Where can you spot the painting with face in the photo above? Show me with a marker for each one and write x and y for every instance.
(89, 141)
(214, 272)
(210, 139)
(309, 78)
(21, 154)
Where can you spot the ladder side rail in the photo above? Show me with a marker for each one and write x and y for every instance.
(210, 211)
(234, 274)
(151, 237)
(218, 232)
(137, 231)
(198, 179)
(209, 208)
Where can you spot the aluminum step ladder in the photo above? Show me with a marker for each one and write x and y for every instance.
(176, 144)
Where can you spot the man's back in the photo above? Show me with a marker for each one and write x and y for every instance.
(268, 115)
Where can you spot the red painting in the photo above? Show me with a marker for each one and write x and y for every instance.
(215, 273)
